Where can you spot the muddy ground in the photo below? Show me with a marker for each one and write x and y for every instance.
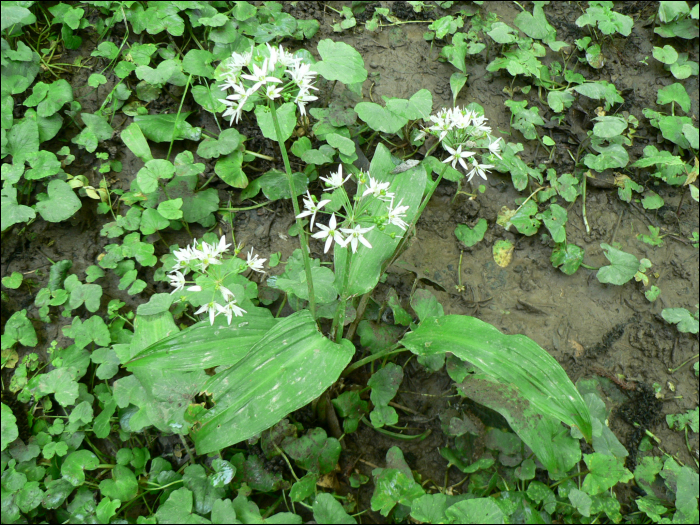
(584, 324)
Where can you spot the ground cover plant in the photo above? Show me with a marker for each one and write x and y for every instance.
(257, 270)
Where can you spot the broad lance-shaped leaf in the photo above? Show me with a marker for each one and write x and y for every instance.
(512, 359)
(548, 439)
(203, 345)
(289, 367)
(161, 395)
(366, 264)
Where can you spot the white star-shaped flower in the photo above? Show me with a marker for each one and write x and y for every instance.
(207, 255)
(397, 214)
(458, 155)
(272, 92)
(478, 169)
(184, 256)
(260, 75)
(236, 101)
(210, 308)
(335, 180)
(177, 280)
(255, 263)
(227, 294)
(378, 189)
(330, 233)
(221, 247)
(229, 310)
(354, 235)
(311, 208)
(302, 98)
(495, 147)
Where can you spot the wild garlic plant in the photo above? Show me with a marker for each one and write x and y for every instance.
(274, 76)
(212, 274)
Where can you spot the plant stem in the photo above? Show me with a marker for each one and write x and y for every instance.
(339, 318)
(302, 234)
(357, 364)
(177, 117)
(583, 207)
(259, 155)
(674, 370)
(403, 437)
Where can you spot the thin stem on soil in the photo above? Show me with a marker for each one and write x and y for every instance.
(583, 206)
(674, 370)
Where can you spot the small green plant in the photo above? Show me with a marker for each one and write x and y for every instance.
(682, 318)
(677, 19)
(600, 14)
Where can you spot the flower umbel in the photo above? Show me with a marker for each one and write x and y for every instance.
(280, 74)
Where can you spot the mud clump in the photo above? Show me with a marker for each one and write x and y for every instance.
(644, 410)
(405, 11)
(367, 13)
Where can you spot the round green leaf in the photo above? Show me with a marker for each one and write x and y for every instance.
(674, 93)
(171, 209)
(622, 266)
(76, 463)
(61, 204)
(339, 61)
(665, 54)
(607, 127)
(196, 62)
(470, 236)
(9, 426)
(123, 485)
(652, 201)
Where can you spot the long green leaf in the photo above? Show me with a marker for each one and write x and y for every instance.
(514, 360)
(548, 439)
(367, 263)
(203, 345)
(290, 366)
(161, 395)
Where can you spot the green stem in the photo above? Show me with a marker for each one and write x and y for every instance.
(302, 234)
(674, 370)
(362, 362)
(583, 206)
(246, 208)
(402, 437)
(177, 117)
(259, 155)
(339, 319)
